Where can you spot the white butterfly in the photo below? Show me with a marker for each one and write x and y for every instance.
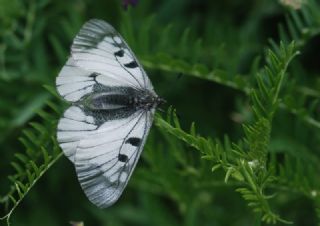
(113, 103)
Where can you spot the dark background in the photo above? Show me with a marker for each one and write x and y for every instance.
(171, 185)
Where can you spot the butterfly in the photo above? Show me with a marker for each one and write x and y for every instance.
(112, 107)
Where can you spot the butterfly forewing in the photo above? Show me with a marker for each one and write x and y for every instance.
(103, 142)
(99, 48)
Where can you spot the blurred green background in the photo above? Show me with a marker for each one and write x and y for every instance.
(171, 185)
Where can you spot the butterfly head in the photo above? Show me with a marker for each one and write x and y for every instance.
(147, 100)
(160, 101)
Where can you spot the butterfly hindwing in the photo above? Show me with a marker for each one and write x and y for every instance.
(72, 127)
(104, 155)
(105, 160)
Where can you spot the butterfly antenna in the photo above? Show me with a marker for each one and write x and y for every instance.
(162, 101)
(174, 83)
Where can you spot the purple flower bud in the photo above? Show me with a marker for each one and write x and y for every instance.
(126, 3)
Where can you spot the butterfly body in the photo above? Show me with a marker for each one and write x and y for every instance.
(112, 106)
(121, 97)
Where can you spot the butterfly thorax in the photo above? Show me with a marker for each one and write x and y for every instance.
(145, 100)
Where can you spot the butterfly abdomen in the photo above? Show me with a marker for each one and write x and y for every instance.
(107, 101)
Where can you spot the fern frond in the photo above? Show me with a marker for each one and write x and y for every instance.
(165, 62)
(299, 176)
(210, 150)
(41, 152)
(249, 163)
(169, 62)
(301, 24)
(224, 156)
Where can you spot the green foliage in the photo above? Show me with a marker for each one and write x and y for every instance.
(256, 101)
(41, 151)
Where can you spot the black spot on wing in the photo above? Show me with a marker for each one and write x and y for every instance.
(119, 53)
(134, 141)
(132, 64)
(93, 75)
(122, 158)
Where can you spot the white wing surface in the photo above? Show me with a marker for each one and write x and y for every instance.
(105, 161)
(105, 155)
(104, 144)
(99, 48)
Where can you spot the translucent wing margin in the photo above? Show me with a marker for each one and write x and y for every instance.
(105, 160)
(99, 48)
(72, 128)
(74, 82)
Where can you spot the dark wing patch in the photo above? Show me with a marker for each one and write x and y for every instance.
(119, 53)
(132, 64)
(134, 141)
(122, 158)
